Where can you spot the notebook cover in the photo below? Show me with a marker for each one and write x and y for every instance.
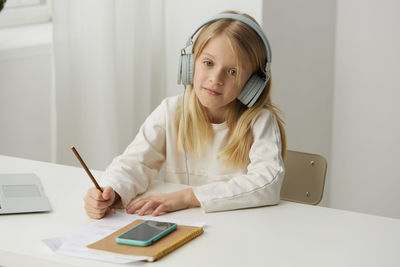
(162, 247)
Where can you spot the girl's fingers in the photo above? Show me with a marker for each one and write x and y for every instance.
(108, 193)
(150, 205)
(110, 210)
(135, 205)
(158, 203)
(96, 203)
(95, 214)
(95, 194)
(161, 209)
(98, 214)
(95, 210)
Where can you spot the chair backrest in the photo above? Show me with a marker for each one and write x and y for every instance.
(305, 177)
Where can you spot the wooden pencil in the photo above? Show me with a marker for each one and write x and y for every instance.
(86, 168)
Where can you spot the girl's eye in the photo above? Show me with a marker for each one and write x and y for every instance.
(207, 63)
(232, 72)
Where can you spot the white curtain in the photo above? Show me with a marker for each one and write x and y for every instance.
(109, 65)
(115, 60)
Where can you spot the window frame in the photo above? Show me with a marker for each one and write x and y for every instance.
(22, 13)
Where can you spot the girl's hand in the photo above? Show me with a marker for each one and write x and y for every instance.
(159, 203)
(97, 203)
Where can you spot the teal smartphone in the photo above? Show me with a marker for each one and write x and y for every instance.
(146, 233)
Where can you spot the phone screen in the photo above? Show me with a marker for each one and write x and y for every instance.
(146, 230)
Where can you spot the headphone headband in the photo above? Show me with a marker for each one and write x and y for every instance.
(246, 21)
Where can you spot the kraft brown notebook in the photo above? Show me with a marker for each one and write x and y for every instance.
(162, 247)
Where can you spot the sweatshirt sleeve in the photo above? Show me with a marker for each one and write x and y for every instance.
(262, 183)
(131, 173)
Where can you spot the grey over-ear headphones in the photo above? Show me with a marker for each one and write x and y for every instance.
(254, 86)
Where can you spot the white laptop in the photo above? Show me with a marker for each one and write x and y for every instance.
(22, 192)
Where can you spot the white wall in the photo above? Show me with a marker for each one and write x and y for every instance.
(301, 34)
(336, 77)
(366, 121)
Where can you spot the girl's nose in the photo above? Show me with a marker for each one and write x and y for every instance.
(217, 77)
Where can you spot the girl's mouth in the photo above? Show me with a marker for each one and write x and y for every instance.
(212, 92)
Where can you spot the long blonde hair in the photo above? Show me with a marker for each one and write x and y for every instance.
(239, 119)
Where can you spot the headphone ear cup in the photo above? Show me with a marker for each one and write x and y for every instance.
(185, 69)
(190, 69)
(252, 90)
(180, 70)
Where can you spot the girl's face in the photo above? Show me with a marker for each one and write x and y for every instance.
(215, 77)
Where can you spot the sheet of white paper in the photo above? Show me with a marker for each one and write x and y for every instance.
(75, 243)
(54, 243)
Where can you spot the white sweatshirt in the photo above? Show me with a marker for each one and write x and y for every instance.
(216, 187)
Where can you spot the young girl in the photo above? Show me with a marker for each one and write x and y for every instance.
(230, 153)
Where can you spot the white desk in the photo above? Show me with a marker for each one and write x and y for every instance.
(289, 234)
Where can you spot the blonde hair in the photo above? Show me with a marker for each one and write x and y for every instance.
(239, 119)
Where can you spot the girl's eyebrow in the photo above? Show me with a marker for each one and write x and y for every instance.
(207, 54)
